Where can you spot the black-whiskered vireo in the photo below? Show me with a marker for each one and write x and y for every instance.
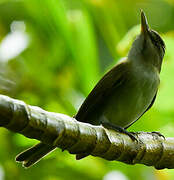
(123, 94)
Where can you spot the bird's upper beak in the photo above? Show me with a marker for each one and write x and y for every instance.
(144, 24)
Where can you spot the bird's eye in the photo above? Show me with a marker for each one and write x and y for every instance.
(156, 40)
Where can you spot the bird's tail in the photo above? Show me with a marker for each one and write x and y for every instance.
(32, 155)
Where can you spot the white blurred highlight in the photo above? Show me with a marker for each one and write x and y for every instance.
(1, 173)
(15, 42)
(115, 175)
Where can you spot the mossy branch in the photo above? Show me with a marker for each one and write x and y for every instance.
(81, 138)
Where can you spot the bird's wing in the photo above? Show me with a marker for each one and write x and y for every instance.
(151, 104)
(102, 90)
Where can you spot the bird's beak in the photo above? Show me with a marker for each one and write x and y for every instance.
(144, 24)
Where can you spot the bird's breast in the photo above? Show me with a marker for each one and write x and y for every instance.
(131, 98)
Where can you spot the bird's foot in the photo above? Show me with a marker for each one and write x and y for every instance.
(159, 134)
(119, 129)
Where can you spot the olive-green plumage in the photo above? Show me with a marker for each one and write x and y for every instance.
(124, 94)
(128, 89)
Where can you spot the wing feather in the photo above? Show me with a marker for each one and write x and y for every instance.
(102, 90)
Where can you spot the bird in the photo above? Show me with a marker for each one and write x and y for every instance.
(122, 95)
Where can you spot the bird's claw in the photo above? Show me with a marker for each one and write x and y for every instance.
(131, 135)
(159, 134)
(119, 129)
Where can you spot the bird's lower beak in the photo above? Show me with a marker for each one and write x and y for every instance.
(144, 23)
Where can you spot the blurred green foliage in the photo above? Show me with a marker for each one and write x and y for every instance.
(72, 43)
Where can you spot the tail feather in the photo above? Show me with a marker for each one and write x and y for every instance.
(32, 155)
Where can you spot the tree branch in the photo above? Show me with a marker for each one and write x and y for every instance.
(81, 138)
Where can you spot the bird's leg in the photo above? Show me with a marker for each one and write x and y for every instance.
(109, 125)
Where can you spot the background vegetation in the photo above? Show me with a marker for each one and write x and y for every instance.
(52, 52)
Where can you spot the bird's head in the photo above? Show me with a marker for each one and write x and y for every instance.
(149, 45)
